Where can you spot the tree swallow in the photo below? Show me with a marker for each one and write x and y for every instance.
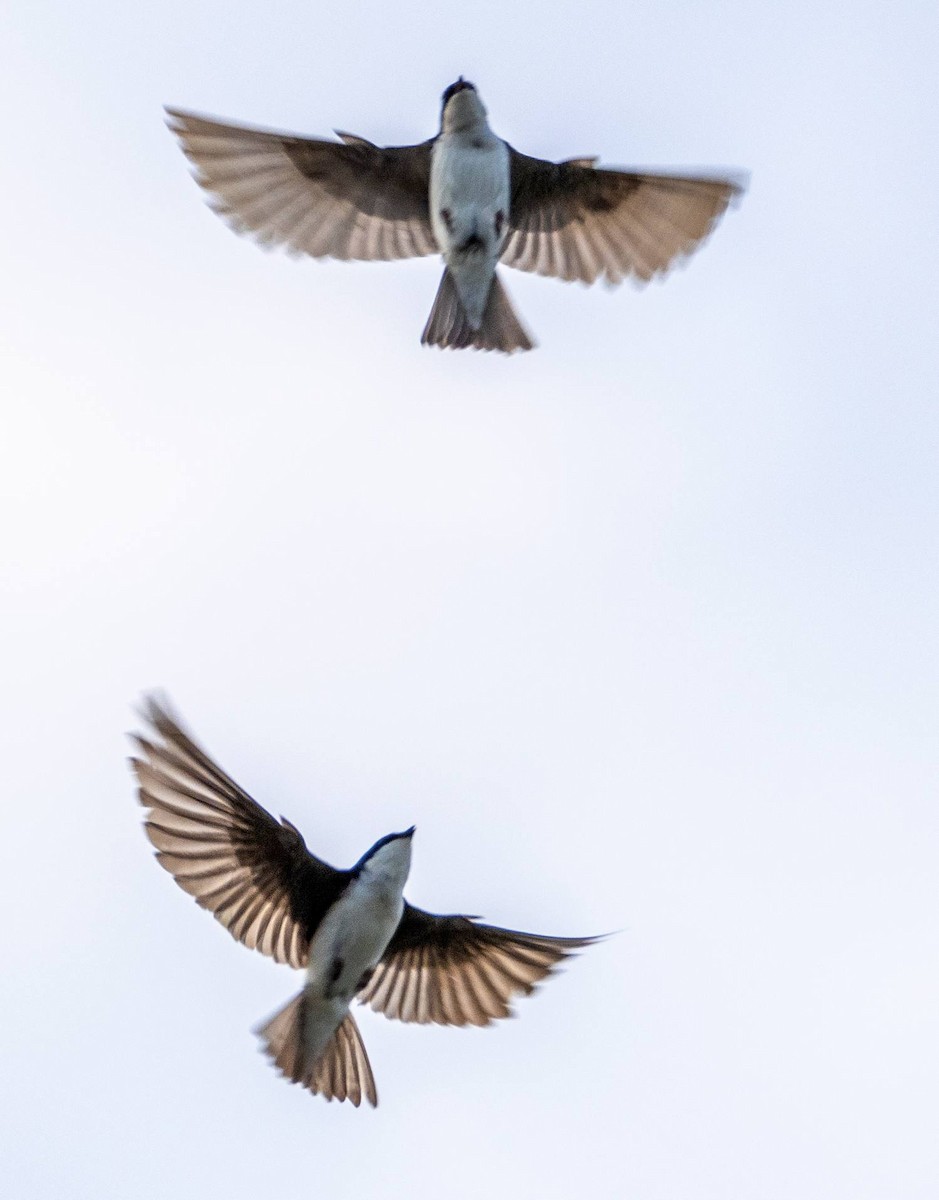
(465, 194)
(351, 930)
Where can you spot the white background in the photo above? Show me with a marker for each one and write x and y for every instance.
(639, 629)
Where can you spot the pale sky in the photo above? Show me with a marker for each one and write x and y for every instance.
(639, 629)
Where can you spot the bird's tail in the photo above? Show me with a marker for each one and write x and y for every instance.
(449, 326)
(338, 1071)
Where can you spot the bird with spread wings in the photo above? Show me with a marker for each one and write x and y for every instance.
(464, 194)
(259, 880)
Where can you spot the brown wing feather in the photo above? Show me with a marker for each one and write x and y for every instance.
(253, 873)
(453, 970)
(346, 200)
(577, 222)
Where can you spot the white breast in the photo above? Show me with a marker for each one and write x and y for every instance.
(469, 186)
(354, 934)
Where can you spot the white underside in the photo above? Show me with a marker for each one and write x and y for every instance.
(469, 188)
(354, 933)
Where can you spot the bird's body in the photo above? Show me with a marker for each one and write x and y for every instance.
(354, 932)
(465, 194)
(351, 930)
(469, 200)
(349, 941)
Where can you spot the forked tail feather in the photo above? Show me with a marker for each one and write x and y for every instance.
(448, 325)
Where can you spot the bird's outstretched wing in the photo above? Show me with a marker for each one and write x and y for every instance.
(253, 873)
(575, 221)
(452, 970)
(349, 199)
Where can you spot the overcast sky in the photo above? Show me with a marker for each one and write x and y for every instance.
(640, 629)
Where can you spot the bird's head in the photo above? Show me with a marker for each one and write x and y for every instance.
(461, 106)
(389, 859)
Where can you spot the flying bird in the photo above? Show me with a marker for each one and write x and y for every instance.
(351, 930)
(465, 194)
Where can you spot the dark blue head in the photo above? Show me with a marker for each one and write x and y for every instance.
(390, 847)
(461, 85)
